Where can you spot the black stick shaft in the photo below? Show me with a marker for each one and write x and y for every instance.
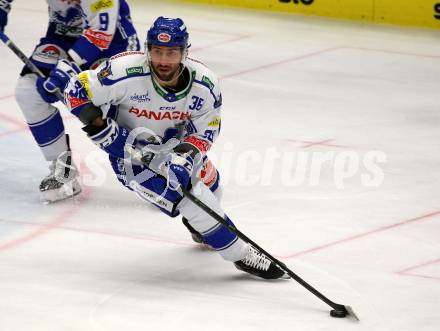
(242, 236)
(17, 51)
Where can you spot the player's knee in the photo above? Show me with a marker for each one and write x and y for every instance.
(24, 87)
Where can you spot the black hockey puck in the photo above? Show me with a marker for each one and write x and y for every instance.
(338, 313)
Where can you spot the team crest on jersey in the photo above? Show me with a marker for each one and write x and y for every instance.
(164, 37)
(49, 53)
(105, 72)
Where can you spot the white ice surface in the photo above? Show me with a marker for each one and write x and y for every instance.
(106, 261)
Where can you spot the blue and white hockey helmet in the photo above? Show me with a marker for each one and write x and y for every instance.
(169, 32)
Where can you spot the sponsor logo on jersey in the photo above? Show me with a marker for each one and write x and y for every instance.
(208, 82)
(134, 71)
(215, 122)
(100, 5)
(201, 144)
(125, 54)
(98, 38)
(140, 97)
(159, 116)
(83, 77)
(167, 108)
(164, 37)
(51, 50)
(48, 53)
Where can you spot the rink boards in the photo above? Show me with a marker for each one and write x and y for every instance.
(422, 13)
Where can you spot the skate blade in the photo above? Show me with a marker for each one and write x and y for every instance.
(285, 276)
(63, 193)
(352, 313)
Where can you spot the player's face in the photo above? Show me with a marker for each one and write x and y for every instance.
(166, 61)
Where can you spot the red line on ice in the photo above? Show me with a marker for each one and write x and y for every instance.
(393, 52)
(418, 266)
(5, 97)
(323, 143)
(7, 133)
(270, 65)
(363, 235)
(196, 49)
(420, 276)
(408, 271)
(14, 121)
(108, 233)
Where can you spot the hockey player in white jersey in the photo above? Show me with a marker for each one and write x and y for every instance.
(160, 111)
(85, 32)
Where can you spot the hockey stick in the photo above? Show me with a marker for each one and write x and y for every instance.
(338, 309)
(8, 42)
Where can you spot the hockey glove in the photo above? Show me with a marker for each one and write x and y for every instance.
(111, 138)
(5, 7)
(58, 79)
(178, 169)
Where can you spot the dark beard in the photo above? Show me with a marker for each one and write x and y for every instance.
(168, 77)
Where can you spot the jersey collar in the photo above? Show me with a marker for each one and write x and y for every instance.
(172, 97)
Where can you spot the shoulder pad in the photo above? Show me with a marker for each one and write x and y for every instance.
(207, 80)
(204, 76)
(121, 66)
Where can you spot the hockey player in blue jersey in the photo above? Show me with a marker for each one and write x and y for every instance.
(157, 114)
(80, 33)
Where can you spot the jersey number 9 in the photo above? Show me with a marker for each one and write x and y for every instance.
(103, 20)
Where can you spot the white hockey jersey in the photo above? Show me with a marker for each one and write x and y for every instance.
(96, 23)
(125, 81)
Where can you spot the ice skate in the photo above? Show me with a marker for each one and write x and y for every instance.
(256, 263)
(62, 181)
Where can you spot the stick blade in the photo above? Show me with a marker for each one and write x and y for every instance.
(351, 313)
